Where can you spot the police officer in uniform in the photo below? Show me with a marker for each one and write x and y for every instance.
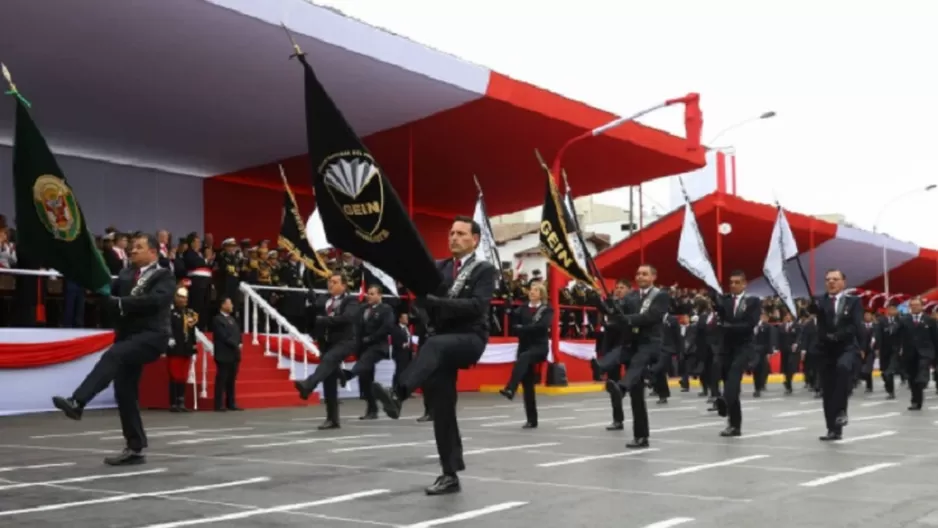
(181, 349)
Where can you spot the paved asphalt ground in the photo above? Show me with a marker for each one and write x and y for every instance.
(272, 468)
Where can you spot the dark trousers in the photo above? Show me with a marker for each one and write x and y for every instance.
(524, 373)
(226, 375)
(917, 366)
(364, 370)
(760, 370)
(435, 369)
(401, 357)
(123, 364)
(836, 375)
(886, 370)
(738, 360)
(715, 374)
(610, 364)
(73, 315)
(327, 373)
(633, 385)
(789, 364)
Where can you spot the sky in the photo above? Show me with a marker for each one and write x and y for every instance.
(853, 84)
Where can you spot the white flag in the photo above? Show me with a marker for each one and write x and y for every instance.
(782, 247)
(316, 234)
(573, 236)
(486, 250)
(692, 253)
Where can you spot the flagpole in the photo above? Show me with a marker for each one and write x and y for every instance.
(804, 276)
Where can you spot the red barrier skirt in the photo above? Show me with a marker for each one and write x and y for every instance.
(178, 367)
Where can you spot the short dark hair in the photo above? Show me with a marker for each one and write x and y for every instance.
(843, 276)
(652, 269)
(223, 299)
(343, 278)
(738, 273)
(376, 287)
(624, 282)
(152, 242)
(476, 228)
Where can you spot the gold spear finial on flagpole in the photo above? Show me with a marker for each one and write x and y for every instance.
(297, 52)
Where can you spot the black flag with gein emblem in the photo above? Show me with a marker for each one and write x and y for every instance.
(361, 213)
(554, 239)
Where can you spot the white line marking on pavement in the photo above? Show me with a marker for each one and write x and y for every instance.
(875, 403)
(658, 409)
(239, 437)
(37, 466)
(582, 459)
(483, 418)
(88, 478)
(386, 446)
(316, 440)
(865, 437)
(516, 422)
(106, 431)
(849, 474)
(797, 413)
(130, 496)
(874, 417)
(185, 432)
(276, 509)
(773, 433)
(682, 427)
(768, 400)
(809, 403)
(701, 467)
(506, 448)
(670, 523)
(587, 426)
(465, 516)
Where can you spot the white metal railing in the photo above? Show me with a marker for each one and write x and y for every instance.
(256, 307)
(207, 348)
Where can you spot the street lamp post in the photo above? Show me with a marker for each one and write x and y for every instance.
(876, 226)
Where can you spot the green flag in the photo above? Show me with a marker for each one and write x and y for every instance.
(49, 221)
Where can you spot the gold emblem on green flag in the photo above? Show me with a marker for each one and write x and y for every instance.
(57, 208)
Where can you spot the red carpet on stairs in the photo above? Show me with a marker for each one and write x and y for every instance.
(260, 385)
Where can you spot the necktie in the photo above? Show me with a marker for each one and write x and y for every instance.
(834, 305)
(456, 265)
(735, 303)
(367, 312)
(137, 275)
(329, 306)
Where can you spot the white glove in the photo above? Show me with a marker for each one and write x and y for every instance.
(172, 342)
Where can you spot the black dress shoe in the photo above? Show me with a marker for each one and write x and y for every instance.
(369, 416)
(721, 406)
(328, 424)
(637, 443)
(757, 394)
(711, 399)
(220, 409)
(731, 431)
(614, 390)
(915, 407)
(175, 409)
(507, 393)
(444, 485)
(69, 406)
(529, 425)
(830, 437)
(615, 426)
(425, 418)
(891, 396)
(703, 394)
(235, 409)
(303, 389)
(662, 401)
(685, 389)
(127, 457)
(389, 401)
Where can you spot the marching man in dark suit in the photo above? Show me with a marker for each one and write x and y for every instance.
(739, 314)
(612, 350)
(401, 346)
(458, 331)
(141, 300)
(919, 342)
(532, 326)
(765, 343)
(888, 347)
(226, 336)
(788, 348)
(868, 343)
(839, 323)
(377, 321)
(644, 326)
(335, 335)
(181, 349)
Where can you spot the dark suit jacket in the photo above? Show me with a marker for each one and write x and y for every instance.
(468, 311)
(787, 337)
(921, 338)
(807, 337)
(838, 333)
(533, 335)
(672, 343)
(145, 310)
(376, 324)
(340, 326)
(739, 325)
(765, 340)
(644, 329)
(226, 336)
(401, 345)
(707, 335)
